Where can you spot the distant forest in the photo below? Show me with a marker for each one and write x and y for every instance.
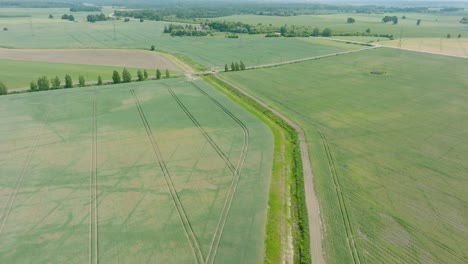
(204, 9)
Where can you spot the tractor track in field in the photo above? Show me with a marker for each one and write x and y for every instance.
(93, 205)
(192, 239)
(19, 181)
(220, 227)
(235, 170)
(343, 209)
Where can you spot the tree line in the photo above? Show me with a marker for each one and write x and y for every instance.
(187, 30)
(235, 66)
(234, 28)
(95, 18)
(85, 8)
(43, 83)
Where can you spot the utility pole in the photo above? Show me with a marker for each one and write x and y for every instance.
(113, 23)
(31, 26)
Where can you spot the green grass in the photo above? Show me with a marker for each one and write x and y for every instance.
(48, 169)
(390, 148)
(432, 25)
(40, 32)
(18, 74)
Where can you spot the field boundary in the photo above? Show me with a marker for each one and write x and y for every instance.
(303, 245)
(312, 205)
(192, 239)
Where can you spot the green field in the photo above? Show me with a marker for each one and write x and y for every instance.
(153, 172)
(18, 74)
(40, 32)
(388, 150)
(432, 25)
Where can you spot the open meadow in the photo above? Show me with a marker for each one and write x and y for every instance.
(151, 172)
(387, 138)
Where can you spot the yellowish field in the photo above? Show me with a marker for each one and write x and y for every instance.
(108, 57)
(452, 46)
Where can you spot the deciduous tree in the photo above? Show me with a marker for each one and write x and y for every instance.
(81, 81)
(242, 65)
(145, 74)
(167, 73)
(327, 32)
(236, 66)
(158, 74)
(116, 77)
(43, 83)
(315, 32)
(126, 76)
(99, 80)
(3, 89)
(56, 83)
(140, 75)
(33, 86)
(68, 81)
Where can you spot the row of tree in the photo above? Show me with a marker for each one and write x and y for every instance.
(43, 83)
(393, 19)
(235, 66)
(187, 30)
(85, 8)
(94, 18)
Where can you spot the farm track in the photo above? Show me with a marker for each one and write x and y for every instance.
(93, 206)
(19, 181)
(192, 239)
(211, 256)
(313, 209)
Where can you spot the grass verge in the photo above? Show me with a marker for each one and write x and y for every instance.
(287, 182)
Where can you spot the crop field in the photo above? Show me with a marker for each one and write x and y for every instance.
(19, 73)
(435, 26)
(104, 57)
(387, 137)
(151, 172)
(39, 32)
(453, 46)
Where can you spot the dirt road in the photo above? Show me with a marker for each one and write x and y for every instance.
(313, 209)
